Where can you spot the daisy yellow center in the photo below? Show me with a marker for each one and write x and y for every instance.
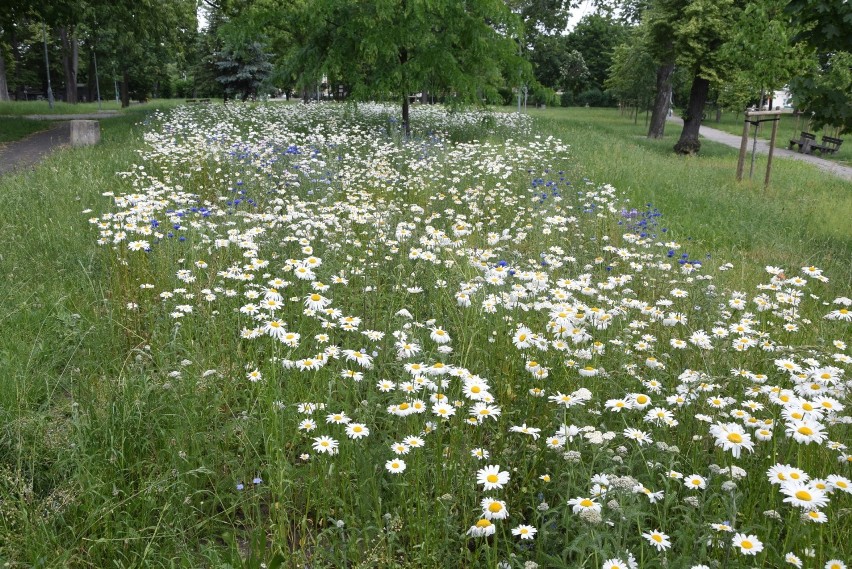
(357, 429)
(641, 400)
(658, 538)
(533, 364)
(803, 495)
(492, 478)
(844, 311)
(735, 438)
(315, 297)
(475, 389)
(589, 368)
(483, 523)
(586, 503)
(808, 407)
(746, 544)
(494, 507)
(840, 484)
(806, 431)
(696, 482)
(814, 515)
(794, 475)
(394, 465)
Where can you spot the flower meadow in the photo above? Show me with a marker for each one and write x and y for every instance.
(451, 351)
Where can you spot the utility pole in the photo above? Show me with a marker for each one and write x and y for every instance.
(97, 83)
(47, 66)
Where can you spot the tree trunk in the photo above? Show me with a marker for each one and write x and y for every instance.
(689, 143)
(70, 53)
(662, 100)
(406, 125)
(403, 59)
(4, 90)
(125, 89)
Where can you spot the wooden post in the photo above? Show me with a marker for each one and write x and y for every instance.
(743, 148)
(771, 150)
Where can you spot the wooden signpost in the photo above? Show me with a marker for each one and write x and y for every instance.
(754, 118)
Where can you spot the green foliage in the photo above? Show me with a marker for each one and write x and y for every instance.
(397, 47)
(761, 53)
(595, 37)
(824, 24)
(827, 94)
(243, 69)
(632, 76)
(826, 27)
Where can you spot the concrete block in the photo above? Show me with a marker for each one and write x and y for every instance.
(85, 133)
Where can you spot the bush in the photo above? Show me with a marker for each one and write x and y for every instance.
(594, 97)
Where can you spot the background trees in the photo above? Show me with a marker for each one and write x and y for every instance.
(734, 53)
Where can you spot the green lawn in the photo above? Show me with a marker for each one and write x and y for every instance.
(17, 128)
(59, 108)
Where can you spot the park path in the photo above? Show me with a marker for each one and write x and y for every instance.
(734, 141)
(27, 151)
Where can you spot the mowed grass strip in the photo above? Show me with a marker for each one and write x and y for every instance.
(17, 128)
(803, 218)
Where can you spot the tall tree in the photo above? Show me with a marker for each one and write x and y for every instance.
(632, 74)
(394, 47)
(760, 50)
(595, 37)
(696, 31)
(149, 33)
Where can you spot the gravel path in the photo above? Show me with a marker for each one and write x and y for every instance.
(733, 141)
(24, 153)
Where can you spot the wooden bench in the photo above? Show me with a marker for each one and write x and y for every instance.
(830, 145)
(805, 142)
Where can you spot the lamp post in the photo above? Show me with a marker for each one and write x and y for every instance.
(97, 83)
(47, 66)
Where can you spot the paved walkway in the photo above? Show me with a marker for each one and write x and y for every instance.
(26, 152)
(734, 141)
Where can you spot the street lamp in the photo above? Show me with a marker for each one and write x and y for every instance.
(47, 67)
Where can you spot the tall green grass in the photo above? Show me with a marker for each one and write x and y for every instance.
(110, 458)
